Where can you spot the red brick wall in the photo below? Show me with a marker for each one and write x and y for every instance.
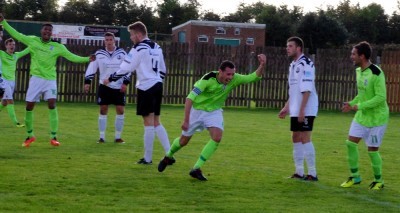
(193, 31)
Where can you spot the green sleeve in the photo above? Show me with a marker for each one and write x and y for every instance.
(244, 79)
(19, 36)
(22, 53)
(72, 57)
(380, 94)
(354, 101)
(199, 87)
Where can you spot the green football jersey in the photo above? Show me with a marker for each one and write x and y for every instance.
(43, 54)
(9, 63)
(371, 97)
(208, 94)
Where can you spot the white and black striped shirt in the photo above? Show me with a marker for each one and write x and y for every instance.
(107, 63)
(147, 60)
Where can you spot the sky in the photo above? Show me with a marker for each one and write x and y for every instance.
(224, 7)
(228, 6)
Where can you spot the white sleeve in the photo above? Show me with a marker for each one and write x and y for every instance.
(91, 71)
(130, 62)
(128, 65)
(162, 68)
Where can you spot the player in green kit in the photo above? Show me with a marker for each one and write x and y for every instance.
(9, 60)
(371, 118)
(44, 53)
(203, 109)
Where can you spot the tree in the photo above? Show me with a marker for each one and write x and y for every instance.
(171, 13)
(15, 9)
(190, 10)
(41, 10)
(394, 29)
(368, 23)
(279, 23)
(372, 24)
(210, 16)
(76, 11)
(321, 31)
(168, 13)
(103, 11)
(242, 15)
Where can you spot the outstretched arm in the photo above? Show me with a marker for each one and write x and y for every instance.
(18, 36)
(72, 57)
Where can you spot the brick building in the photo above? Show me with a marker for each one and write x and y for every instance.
(219, 33)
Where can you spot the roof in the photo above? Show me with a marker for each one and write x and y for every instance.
(220, 24)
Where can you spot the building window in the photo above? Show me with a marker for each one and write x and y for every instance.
(220, 30)
(237, 31)
(250, 41)
(202, 38)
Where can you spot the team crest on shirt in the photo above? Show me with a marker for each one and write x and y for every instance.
(298, 70)
(365, 82)
(307, 74)
(51, 47)
(119, 57)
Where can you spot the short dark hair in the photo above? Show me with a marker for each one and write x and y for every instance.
(364, 48)
(9, 41)
(47, 25)
(226, 64)
(109, 34)
(139, 27)
(298, 41)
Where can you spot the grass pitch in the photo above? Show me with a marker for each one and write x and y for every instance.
(248, 172)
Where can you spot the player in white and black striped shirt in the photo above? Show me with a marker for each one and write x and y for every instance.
(107, 62)
(146, 59)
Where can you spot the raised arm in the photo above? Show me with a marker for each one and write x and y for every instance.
(19, 36)
(21, 54)
(262, 59)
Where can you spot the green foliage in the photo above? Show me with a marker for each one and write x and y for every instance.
(281, 23)
(210, 16)
(350, 23)
(321, 31)
(171, 13)
(246, 174)
(15, 9)
(41, 10)
(76, 11)
(244, 14)
(394, 28)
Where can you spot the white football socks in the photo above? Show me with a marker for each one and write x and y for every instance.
(149, 135)
(163, 137)
(119, 125)
(309, 153)
(102, 125)
(298, 157)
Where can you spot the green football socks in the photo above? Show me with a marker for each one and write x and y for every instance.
(53, 122)
(207, 152)
(376, 162)
(29, 123)
(175, 146)
(11, 113)
(352, 157)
